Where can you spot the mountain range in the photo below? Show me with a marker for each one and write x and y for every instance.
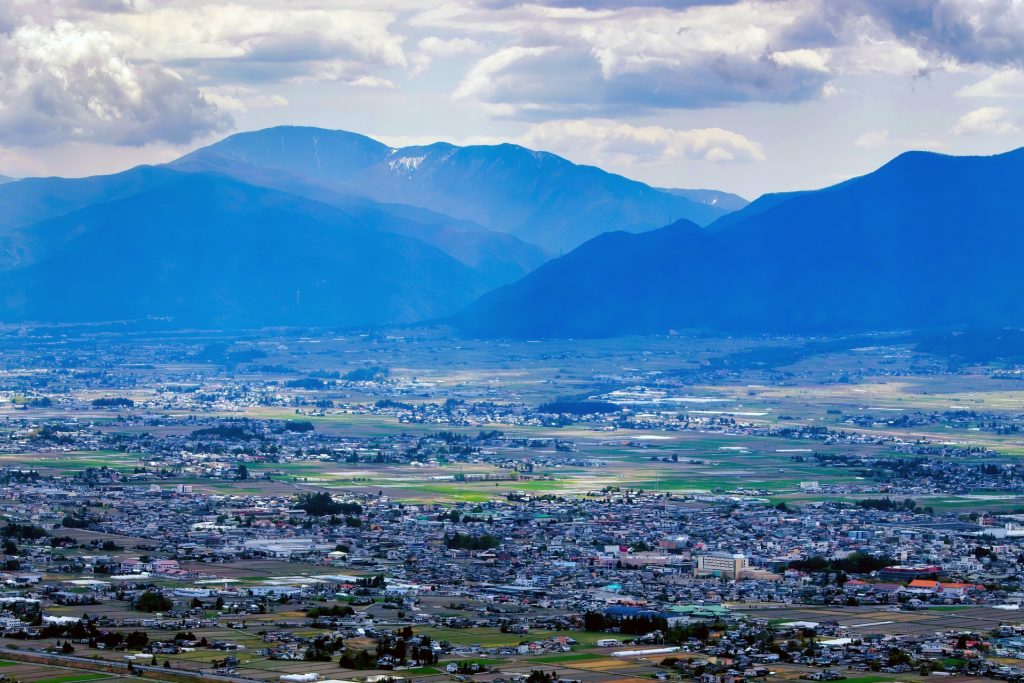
(538, 197)
(294, 226)
(214, 251)
(927, 241)
(307, 227)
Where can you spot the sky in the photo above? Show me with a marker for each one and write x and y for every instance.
(748, 97)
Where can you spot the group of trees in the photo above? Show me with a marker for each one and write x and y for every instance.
(77, 519)
(887, 503)
(399, 646)
(85, 629)
(637, 625)
(322, 504)
(641, 624)
(538, 676)
(113, 403)
(23, 532)
(153, 601)
(854, 563)
(374, 373)
(375, 581)
(458, 541)
(330, 611)
(357, 659)
(321, 649)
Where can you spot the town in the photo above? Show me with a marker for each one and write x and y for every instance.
(410, 508)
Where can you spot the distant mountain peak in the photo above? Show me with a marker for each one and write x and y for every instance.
(910, 245)
(537, 196)
(366, 232)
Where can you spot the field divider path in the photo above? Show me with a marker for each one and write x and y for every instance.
(118, 669)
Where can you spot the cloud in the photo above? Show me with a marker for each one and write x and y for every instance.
(372, 82)
(881, 139)
(607, 4)
(452, 47)
(986, 121)
(970, 31)
(873, 139)
(637, 56)
(254, 42)
(479, 79)
(108, 5)
(68, 82)
(639, 61)
(234, 98)
(608, 143)
(1005, 83)
(433, 47)
(602, 139)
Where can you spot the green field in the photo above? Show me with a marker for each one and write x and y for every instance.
(562, 659)
(493, 637)
(73, 678)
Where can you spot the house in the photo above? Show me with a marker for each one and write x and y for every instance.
(923, 586)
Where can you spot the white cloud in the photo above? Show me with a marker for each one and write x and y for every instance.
(69, 82)
(480, 81)
(249, 42)
(372, 82)
(639, 56)
(814, 60)
(452, 47)
(432, 47)
(873, 139)
(1005, 83)
(881, 139)
(986, 121)
(626, 144)
(236, 98)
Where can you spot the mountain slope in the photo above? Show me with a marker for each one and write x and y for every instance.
(925, 241)
(536, 196)
(502, 258)
(211, 251)
(36, 199)
(499, 257)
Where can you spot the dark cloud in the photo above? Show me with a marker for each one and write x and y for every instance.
(110, 6)
(971, 31)
(989, 32)
(524, 87)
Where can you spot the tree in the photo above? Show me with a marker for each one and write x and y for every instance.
(243, 471)
(136, 640)
(537, 676)
(356, 659)
(153, 601)
(322, 504)
(468, 542)
(593, 621)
